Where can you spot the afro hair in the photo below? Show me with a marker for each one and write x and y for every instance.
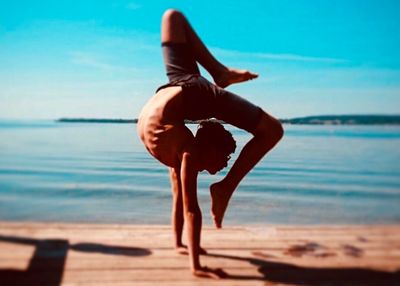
(211, 133)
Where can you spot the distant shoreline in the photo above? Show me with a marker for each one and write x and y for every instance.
(308, 120)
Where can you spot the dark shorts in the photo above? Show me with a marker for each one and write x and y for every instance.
(203, 99)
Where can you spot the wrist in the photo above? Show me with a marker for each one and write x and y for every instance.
(196, 267)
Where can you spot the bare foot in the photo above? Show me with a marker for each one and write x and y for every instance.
(182, 249)
(219, 202)
(231, 76)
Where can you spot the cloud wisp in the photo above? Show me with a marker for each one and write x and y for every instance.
(277, 57)
(89, 60)
(133, 6)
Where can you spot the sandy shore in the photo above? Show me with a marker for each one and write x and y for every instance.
(93, 254)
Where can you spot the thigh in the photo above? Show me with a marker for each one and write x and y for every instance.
(179, 61)
(237, 111)
(198, 98)
(204, 100)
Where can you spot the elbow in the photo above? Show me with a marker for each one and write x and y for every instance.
(192, 212)
(193, 218)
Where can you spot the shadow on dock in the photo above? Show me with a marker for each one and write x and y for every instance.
(47, 264)
(279, 272)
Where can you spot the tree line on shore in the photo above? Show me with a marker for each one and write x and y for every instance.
(311, 120)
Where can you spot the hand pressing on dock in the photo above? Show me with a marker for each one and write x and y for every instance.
(206, 272)
(183, 249)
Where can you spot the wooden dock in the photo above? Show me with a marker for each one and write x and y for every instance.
(92, 254)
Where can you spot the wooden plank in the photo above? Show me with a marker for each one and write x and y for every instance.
(83, 254)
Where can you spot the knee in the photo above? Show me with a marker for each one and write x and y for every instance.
(172, 15)
(269, 128)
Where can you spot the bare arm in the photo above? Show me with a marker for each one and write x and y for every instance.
(192, 212)
(193, 219)
(177, 209)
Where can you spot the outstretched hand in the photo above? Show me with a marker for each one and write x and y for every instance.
(213, 273)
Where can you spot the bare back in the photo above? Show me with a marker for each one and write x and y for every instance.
(161, 126)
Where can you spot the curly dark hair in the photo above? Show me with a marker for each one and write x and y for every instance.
(211, 133)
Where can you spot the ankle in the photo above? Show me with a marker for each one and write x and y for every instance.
(177, 241)
(180, 244)
(219, 71)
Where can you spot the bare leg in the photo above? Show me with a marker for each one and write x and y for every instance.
(267, 134)
(177, 218)
(177, 209)
(176, 28)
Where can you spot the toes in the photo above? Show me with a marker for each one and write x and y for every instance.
(218, 223)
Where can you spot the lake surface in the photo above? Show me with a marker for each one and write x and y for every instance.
(100, 173)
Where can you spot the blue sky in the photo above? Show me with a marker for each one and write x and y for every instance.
(103, 58)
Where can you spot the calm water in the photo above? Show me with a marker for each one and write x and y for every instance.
(101, 173)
